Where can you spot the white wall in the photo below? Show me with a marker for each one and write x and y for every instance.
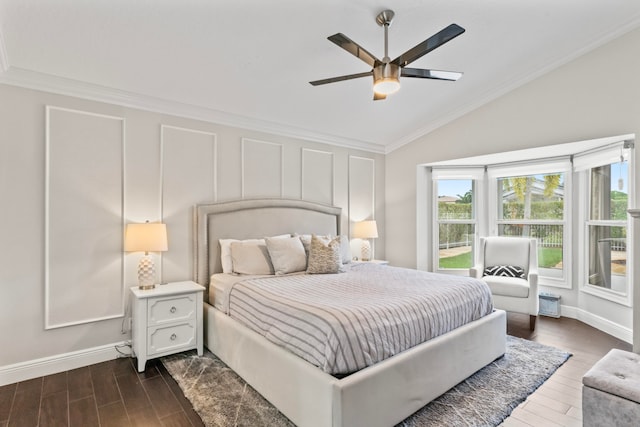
(594, 96)
(169, 164)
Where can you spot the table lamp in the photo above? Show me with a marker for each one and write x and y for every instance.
(146, 237)
(365, 230)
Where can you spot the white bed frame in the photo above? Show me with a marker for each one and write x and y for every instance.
(381, 395)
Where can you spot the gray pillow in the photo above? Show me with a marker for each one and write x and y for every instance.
(251, 257)
(287, 255)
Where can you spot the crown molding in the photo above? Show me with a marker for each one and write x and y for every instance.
(48, 83)
(492, 95)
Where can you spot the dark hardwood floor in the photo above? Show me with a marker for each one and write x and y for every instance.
(114, 394)
(108, 394)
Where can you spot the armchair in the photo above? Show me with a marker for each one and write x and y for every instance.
(516, 294)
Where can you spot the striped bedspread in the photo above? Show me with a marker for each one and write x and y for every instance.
(345, 322)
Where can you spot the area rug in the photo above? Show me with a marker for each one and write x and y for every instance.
(223, 399)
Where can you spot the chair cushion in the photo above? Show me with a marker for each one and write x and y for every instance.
(507, 286)
(504, 270)
(500, 250)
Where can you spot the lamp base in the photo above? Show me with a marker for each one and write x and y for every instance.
(366, 250)
(146, 273)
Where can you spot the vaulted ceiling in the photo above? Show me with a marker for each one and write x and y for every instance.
(248, 62)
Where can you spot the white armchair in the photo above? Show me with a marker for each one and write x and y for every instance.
(514, 294)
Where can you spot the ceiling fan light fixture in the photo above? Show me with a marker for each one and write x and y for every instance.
(386, 72)
(386, 79)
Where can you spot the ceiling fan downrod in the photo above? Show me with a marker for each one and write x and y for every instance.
(384, 19)
(386, 76)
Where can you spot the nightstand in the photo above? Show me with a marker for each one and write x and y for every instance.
(166, 319)
(372, 261)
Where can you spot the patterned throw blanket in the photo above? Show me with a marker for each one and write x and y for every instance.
(345, 322)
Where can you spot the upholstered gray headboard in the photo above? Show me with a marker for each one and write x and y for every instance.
(257, 218)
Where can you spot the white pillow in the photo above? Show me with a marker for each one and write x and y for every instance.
(225, 254)
(345, 249)
(225, 251)
(306, 241)
(287, 255)
(251, 257)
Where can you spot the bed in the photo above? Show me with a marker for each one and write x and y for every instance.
(382, 394)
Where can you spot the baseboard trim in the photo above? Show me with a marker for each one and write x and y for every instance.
(605, 325)
(58, 363)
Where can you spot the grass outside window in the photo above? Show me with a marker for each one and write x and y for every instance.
(547, 258)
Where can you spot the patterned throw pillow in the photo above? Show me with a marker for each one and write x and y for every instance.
(345, 248)
(505, 271)
(324, 256)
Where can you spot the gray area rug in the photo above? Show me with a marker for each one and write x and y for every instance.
(223, 399)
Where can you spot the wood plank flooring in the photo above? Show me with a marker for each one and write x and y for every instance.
(558, 402)
(114, 394)
(108, 394)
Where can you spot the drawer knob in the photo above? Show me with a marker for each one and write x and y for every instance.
(173, 337)
(173, 309)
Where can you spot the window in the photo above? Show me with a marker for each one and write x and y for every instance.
(455, 226)
(605, 178)
(607, 226)
(531, 202)
(533, 206)
(532, 193)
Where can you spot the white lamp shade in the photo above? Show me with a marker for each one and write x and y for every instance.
(365, 230)
(147, 237)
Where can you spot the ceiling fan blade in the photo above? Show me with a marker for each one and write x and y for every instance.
(354, 48)
(433, 42)
(341, 78)
(379, 97)
(431, 74)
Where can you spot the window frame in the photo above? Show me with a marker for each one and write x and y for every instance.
(528, 168)
(582, 166)
(477, 177)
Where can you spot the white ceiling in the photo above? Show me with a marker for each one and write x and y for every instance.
(248, 62)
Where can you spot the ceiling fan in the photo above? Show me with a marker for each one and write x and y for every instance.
(386, 73)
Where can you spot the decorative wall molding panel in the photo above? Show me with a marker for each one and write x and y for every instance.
(361, 188)
(362, 191)
(318, 176)
(84, 205)
(262, 169)
(4, 60)
(82, 170)
(189, 177)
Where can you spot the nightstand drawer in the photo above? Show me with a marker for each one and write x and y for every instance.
(173, 309)
(171, 338)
